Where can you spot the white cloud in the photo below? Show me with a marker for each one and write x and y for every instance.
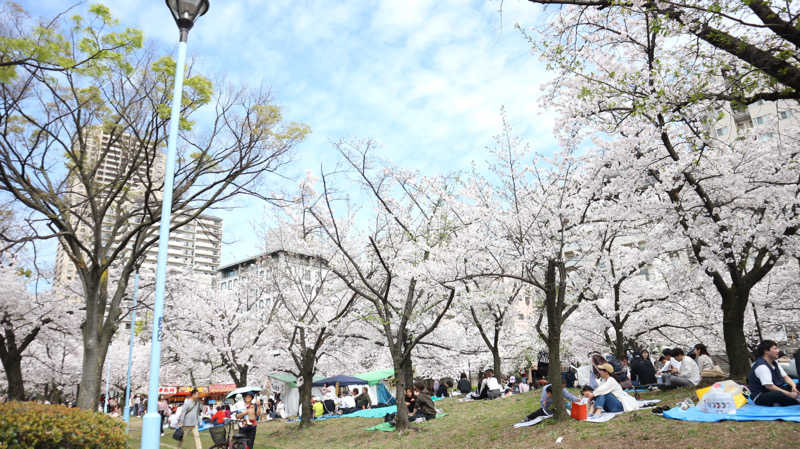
(427, 78)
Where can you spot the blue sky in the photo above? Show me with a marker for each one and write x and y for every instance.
(425, 78)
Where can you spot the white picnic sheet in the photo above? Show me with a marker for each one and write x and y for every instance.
(603, 417)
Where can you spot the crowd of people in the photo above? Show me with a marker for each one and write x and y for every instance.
(345, 402)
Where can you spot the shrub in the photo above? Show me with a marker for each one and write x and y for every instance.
(28, 425)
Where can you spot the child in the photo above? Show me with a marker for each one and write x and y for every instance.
(547, 402)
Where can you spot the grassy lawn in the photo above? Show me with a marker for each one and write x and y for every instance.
(488, 424)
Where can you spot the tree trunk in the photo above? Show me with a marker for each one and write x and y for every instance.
(94, 355)
(13, 367)
(403, 367)
(554, 371)
(497, 363)
(305, 390)
(97, 330)
(619, 344)
(734, 305)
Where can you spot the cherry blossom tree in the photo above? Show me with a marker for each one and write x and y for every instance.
(533, 222)
(310, 315)
(756, 34)
(486, 306)
(395, 261)
(650, 100)
(218, 333)
(25, 315)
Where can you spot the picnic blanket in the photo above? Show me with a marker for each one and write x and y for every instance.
(603, 417)
(636, 390)
(370, 412)
(387, 427)
(747, 412)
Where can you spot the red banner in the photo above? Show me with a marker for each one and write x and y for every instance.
(167, 390)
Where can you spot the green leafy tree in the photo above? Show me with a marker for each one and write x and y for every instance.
(82, 95)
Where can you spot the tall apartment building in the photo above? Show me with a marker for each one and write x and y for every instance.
(195, 246)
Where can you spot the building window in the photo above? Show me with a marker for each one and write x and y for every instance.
(785, 114)
(759, 120)
(521, 316)
(722, 131)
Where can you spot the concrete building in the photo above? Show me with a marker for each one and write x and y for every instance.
(250, 278)
(768, 119)
(195, 246)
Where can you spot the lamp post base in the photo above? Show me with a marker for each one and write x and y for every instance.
(151, 431)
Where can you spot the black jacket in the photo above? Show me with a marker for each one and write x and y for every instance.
(464, 386)
(643, 370)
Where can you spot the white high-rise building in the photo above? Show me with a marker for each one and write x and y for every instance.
(194, 247)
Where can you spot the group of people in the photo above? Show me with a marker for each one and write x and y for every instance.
(345, 402)
(189, 417)
(419, 403)
(606, 394)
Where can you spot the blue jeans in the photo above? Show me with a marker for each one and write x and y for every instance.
(608, 403)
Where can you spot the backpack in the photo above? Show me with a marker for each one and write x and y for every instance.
(389, 417)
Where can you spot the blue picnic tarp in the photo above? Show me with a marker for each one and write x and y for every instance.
(748, 412)
(370, 412)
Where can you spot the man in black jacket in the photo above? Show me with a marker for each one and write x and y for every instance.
(642, 370)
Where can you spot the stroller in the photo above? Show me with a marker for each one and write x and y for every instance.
(227, 436)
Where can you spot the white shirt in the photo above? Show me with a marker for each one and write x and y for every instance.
(347, 402)
(765, 376)
(690, 370)
(671, 364)
(491, 383)
(612, 386)
(173, 419)
(328, 393)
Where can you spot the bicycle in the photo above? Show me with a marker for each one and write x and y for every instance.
(226, 436)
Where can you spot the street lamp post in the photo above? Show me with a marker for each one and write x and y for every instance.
(184, 12)
(126, 414)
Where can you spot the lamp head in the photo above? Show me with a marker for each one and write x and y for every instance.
(185, 12)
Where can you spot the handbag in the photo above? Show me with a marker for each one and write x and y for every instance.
(178, 434)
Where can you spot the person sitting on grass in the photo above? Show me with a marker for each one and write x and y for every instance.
(490, 387)
(688, 373)
(219, 416)
(347, 404)
(642, 370)
(768, 383)
(410, 400)
(464, 385)
(670, 363)
(424, 404)
(444, 389)
(317, 407)
(546, 403)
(609, 395)
(363, 401)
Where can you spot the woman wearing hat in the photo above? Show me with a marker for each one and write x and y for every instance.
(609, 395)
(250, 416)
